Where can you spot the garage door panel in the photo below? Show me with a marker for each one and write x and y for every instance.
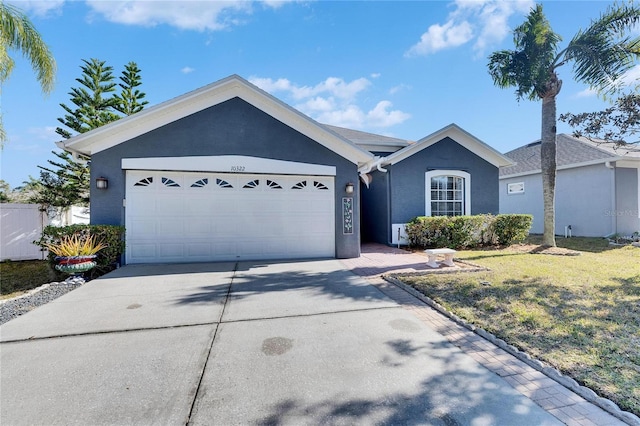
(141, 207)
(186, 216)
(170, 227)
(198, 226)
(170, 205)
(225, 228)
(140, 228)
(206, 203)
(199, 250)
(225, 250)
(143, 252)
(171, 250)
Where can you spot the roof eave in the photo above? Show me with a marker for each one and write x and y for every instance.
(130, 127)
(462, 137)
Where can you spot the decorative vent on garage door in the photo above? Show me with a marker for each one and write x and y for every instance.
(273, 185)
(319, 185)
(170, 182)
(200, 183)
(300, 185)
(252, 184)
(144, 182)
(223, 183)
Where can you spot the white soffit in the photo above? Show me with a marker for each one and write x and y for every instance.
(152, 118)
(228, 164)
(617, 161)
(628, 163)
(460, 136)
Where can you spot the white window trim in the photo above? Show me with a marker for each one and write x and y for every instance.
(457, 173)
(513, 184)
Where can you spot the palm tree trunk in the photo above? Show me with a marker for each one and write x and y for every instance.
(548, 166)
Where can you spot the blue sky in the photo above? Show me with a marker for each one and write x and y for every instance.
(403, 69)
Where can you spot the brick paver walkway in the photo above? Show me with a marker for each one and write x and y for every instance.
(564, 404)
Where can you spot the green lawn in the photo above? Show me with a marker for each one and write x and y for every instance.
(580, 314)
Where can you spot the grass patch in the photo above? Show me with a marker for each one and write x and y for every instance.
(580, 314)
(17, 277)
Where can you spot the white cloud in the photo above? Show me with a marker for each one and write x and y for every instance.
(399, 88)
(632, 77)
(493, 19)
(334, 101)
(275, 4)
(334, 86)
(187, 70)
(47, 133)
(486, 21)
(439, 37)
(187, 15)
(587, 93)
(39, 7)
(381, 116)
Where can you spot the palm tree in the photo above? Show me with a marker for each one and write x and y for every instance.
(600, 55)
(18, 33)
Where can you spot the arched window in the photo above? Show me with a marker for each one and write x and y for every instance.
(448, 193)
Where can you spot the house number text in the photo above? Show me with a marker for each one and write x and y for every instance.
(237, 169)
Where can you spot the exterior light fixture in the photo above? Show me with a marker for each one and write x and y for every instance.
(102, 183)
(349, 188)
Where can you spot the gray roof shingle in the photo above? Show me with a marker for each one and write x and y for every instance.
(365, 138)
(570, 150)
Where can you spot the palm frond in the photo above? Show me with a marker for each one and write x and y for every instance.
(17, 32)
(602, 53)
(529, 67)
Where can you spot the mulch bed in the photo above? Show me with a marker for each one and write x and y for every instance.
(539, 249)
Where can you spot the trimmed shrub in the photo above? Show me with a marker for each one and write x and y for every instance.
(459, 232)
(110, 235)
(511, 228)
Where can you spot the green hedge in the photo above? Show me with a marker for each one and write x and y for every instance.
(511, 228)
(112, 236)
(459, 232)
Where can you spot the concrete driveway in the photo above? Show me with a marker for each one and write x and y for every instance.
(242, 343)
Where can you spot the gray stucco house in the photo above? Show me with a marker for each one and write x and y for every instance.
(597, 187)
(449, 172)
(230, 172)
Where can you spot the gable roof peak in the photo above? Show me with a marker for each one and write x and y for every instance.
(233, 86)
(459, 135)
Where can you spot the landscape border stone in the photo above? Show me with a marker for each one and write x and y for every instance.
(549, 371)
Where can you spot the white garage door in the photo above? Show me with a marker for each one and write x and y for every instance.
(193, 217)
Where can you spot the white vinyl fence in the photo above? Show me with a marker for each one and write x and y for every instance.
(20, 225)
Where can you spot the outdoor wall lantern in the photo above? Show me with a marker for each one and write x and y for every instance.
(349, 188)
(102, 183)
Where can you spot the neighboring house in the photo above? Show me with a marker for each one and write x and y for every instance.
(597, 187)
(230, 172)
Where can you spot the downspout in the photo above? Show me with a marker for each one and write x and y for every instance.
(389, 212)
(613, 217)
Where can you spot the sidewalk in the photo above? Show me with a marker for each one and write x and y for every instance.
(561, 402)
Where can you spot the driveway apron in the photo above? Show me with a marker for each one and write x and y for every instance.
(242, 343)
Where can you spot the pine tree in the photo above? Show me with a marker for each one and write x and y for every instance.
(129, 100)
(65, 183)
(94, 106)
